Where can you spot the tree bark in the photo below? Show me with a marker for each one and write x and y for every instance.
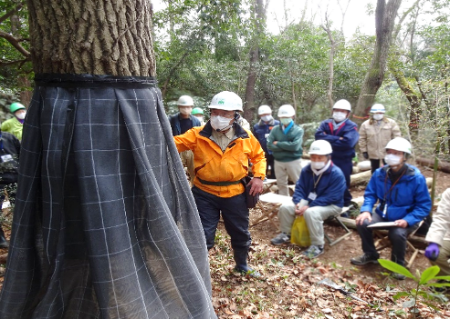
(101, 37)
(384, 20)
(249, 104)
(327, 29)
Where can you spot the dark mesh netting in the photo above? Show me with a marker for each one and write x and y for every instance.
(105, 225)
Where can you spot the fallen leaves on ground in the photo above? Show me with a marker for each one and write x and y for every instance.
(289, 287)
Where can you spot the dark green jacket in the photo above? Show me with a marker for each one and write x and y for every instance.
(289, 146)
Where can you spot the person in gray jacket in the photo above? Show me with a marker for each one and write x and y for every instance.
(285, 142)
(438, 236)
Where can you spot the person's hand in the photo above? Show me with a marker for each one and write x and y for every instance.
(362, 217)
(299, 211)
(401, 223)
(275, 142)
(341, 138)
(432, 251)
(256, 186)
(366, 155)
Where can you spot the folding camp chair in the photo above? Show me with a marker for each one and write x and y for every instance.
(337, 218)
(383, 242)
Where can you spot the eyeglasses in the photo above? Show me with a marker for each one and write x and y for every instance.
(227, 114)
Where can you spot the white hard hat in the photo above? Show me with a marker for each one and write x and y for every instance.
(227, 101)
(343, 105)
(399, 144)
(286, 110)
(320, 147)
(264, 109)
(185, 100)
(377, 108)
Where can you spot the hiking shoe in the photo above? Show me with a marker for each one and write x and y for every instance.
(280, 239)
(398, 276)
(248, 272)
(313, 251)
(364, 259)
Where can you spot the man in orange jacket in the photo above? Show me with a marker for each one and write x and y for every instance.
(222, 150)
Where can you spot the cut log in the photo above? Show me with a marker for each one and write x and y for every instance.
(355, 170)
(364, 166)
(360, 178)
(429, 162)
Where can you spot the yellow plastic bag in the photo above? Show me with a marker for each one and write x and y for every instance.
(300, 232)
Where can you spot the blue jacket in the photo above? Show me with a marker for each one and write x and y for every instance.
(342, 149)
(330, 189)
(408, 200)
(261, 131)
(176, 126)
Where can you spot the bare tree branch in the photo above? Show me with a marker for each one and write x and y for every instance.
(15, 43)
(20, 62)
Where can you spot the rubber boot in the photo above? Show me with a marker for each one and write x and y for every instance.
(240, 257)
(3, 242)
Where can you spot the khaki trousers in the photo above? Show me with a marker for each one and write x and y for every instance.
(443, 258)
(285, 171)
(314, 217)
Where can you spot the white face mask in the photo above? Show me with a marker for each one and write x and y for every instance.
(339, 116)
(392, 160)
(318, 165)
(185, 110)
(266, 118)
(21, 115)
(378, 117)
(200, 118)
(219, 122)
(285, 121)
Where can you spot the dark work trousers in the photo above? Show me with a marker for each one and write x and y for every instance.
(396, 235)
(270, 173)
(346, 166)
(235, 214)
(374, 164)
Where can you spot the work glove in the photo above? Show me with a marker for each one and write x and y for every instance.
(366, 155)
(432, 251)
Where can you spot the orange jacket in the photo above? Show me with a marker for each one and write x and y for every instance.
(213, 165)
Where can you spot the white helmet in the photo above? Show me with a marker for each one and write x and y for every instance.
(399, 144)
(286, 110)
(377, 108)
(185, 100)
(227, 101)
(343, 105)
(264, 109)
(320, 147)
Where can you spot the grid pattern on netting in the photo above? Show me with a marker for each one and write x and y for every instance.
(114, 235)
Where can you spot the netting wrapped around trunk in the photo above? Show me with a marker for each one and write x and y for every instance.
(105, 225)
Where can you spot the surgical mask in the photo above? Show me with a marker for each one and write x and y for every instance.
(318, 165)
(220, 123)
(200, 118)
(266, 118)
(21, 115)
(285, 121)
(378, 117)
(185, 110)
(392, 160)
(339, 116)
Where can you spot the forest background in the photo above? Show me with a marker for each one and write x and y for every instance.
(306, 56)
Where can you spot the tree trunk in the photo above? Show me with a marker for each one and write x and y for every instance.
(327, 29)
(100, 37)
(103, 226)
(249, 104)
(384, 20)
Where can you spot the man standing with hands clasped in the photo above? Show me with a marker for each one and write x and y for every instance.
(402, 195)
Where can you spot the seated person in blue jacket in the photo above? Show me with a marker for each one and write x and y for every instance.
(402, 195)
(318, 195)
(261, 130)
(343, 135)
